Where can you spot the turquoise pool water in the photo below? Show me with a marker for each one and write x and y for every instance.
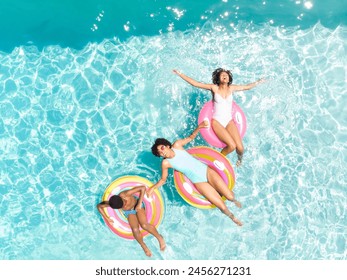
(86, 87)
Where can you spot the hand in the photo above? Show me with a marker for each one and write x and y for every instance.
(138, 207)
(204, 124)
(262, 80)
(149, 192)
(110, 221)
(176, 72)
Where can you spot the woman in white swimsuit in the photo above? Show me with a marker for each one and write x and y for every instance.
(222, 91)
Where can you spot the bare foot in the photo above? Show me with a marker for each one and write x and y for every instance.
(146, 250)
(236, 221)
(237, 203)
(148, 253)
(162, 243)
(239, 159)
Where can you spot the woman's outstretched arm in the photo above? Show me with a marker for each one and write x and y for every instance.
(164, 174)
(248, 86)
(192, 81)
(182, 142)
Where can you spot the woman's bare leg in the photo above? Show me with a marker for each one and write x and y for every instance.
(134, 225)
(224, 136)
(220, 186)
(213, 196)
(235, 135)
(141, 216)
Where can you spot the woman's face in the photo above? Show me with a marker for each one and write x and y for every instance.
(163, 150)
(224, 77)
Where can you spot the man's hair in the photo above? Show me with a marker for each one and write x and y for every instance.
(116, 202)
(159, 141)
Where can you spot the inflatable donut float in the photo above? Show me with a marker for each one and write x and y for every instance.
(154, 206)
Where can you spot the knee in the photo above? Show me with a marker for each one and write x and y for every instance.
(136, 231)
(231, 146)
(145, 226)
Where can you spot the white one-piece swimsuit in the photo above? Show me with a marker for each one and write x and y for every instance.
(222, 109)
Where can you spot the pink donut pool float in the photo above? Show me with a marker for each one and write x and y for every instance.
(208, 134)
(217, 162)
(154, 206)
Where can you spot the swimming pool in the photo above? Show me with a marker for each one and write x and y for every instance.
(84, 95)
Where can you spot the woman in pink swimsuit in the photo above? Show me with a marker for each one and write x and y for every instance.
(222, 91)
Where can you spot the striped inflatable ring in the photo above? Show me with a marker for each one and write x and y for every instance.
(215, 160)
(208, 133)
(154, 206)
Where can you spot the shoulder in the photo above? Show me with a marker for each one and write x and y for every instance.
(123, 194)
(214, 88)
(176, 144)
(165, 164)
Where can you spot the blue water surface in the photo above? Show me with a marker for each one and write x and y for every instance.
(87, 86)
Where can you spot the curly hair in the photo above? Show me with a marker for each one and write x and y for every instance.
(159, 141)
(116, 202)
(216, 76)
